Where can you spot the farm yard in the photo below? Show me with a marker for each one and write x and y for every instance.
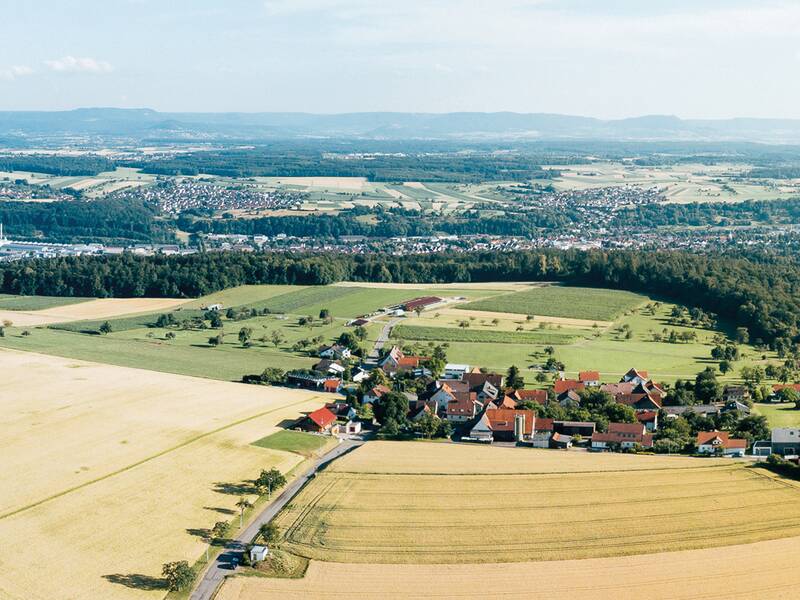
(431, 503)
(122, 470)
(760, 570)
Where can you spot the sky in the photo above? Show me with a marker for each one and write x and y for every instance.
(600, 58)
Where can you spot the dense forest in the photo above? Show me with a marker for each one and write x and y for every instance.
(448, 167)
(756, 291)
(55, 164)
(78, 221)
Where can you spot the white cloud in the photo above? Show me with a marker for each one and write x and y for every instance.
(15, 71)
(73, 64)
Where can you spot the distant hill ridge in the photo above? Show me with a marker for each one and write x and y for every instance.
(150, 124)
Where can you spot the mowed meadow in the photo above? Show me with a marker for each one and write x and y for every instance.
(490, 325)
(390, 502)
(110, 472)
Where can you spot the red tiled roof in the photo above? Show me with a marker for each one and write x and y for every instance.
(626, 428)
(476, 380)
(539, 396)
(322, 417)
(421, 302)
(502, 419)
(331, 385)
(462, 404)
(780, 386)
(589, 376)
(564, 385)
(707, 437)
(646, 416)
(543, 424)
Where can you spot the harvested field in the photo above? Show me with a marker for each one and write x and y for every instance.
(106, 308)
(421, 507)
(122, 470)
(743, 572)
(452, 334)
(507, 321)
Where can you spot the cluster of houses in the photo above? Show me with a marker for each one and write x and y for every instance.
(483, 409)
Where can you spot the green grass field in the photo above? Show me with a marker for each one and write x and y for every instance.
(450, 334)
(562, 301)
(27, 303)
(298, 442)
(780, 415)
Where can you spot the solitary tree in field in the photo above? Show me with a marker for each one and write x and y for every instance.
(245, 333)
(105, 328)
(418, 310)
(170, 335)
(277, 338)
(179, 575)
(360, 333)
(242, 504)
(220, 529)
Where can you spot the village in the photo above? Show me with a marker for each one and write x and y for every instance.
(396, 395)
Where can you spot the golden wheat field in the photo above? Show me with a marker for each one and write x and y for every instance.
(109, 472)
(586, 506)
(747, 572)
(105, 308)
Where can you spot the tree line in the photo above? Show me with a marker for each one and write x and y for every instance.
(756, 291)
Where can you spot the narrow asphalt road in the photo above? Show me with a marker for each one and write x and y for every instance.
(225, 563)
(382, 339)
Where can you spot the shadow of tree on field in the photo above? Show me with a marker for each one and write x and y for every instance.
(138, 581)
(203, 533)
(220, 510)
(235, 489)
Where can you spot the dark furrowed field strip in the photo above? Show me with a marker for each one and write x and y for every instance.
(605, 541)
(148, 459)
(652, 516)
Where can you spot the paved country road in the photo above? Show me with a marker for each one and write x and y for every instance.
(382, 339)
(224, 564)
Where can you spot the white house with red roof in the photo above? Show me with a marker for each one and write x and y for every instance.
(719, 442)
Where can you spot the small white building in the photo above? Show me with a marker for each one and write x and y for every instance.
(258, 553)
(455, 371)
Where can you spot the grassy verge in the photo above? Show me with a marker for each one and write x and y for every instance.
(305, 444)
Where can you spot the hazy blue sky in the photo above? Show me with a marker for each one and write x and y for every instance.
(603, 58)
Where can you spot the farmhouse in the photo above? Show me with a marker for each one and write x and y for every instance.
(321, 420)
(463, 407)
(538, 396)
(332, 386)
(476, 379)
(561, 441)
(334, 351)
(397, 362)
(375, 394)
(735, 407)
(564, 385)
(648, 418)
(507, 425)
(636, 377)
(718, 442)
(622, 435)
(589, 378)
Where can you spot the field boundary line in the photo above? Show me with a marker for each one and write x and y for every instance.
(151, 458)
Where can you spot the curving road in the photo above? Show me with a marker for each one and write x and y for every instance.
(225, 564)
